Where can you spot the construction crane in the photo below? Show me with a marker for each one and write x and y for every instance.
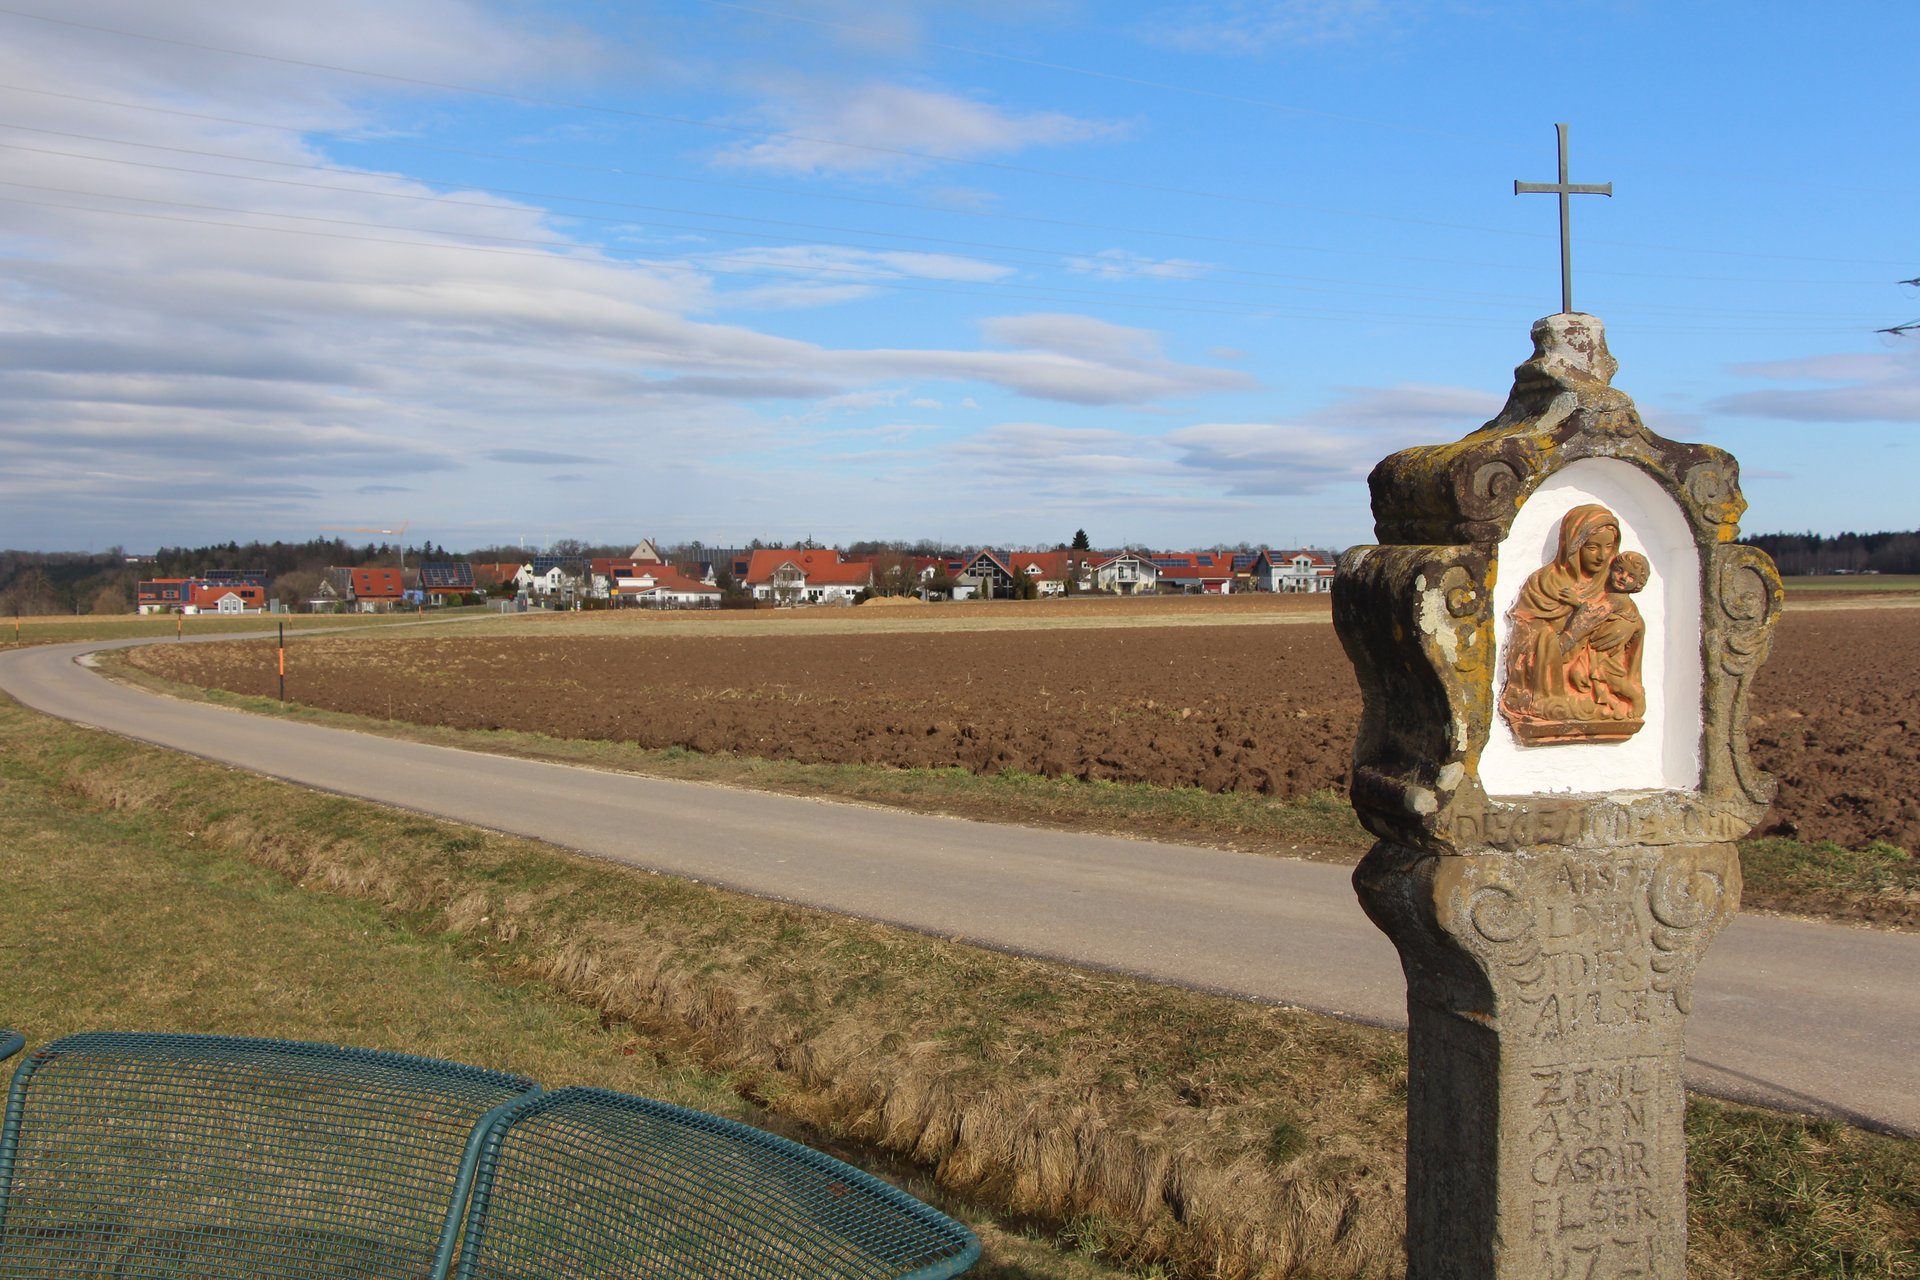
(397, 531)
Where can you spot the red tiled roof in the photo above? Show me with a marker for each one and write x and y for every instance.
(376, 584)
(1052, 564)
(840, 575)
(763, 563)
(665, 579)
(207, 595)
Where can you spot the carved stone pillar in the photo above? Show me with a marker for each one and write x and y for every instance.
(1554, 641)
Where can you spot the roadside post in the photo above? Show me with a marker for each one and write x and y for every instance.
(1555, 639)
(283, 662)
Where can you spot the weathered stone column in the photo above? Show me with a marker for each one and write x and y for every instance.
(1555, 640)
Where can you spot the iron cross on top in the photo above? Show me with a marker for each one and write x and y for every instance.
(1563, 189)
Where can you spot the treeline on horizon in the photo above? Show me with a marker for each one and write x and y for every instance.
(42, 582)
(1807, 554)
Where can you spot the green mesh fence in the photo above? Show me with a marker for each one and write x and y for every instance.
(141, 1156)
(585, 1183)
(160, 1157)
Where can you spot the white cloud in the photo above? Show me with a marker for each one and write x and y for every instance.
(891, 129)
(143, 358)
(1410, 408)
(1080, 336)
(1882, 387)
(1123, 264)
(452, 41)
(833, 263)
(1046, 461)
(1880, 402)
(1331, 445)
(1839, 367)
(1255, 26)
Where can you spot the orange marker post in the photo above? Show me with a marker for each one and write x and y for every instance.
(283, 662)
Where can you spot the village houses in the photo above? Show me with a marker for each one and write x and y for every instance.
(769, 576)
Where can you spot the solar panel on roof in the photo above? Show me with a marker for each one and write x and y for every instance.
(452, 576)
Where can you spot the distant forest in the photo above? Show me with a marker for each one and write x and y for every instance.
(1801, 554)
(41, 582)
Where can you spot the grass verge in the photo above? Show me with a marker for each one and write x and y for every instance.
(1878, 883)
(119, 917)
(1160, 1129)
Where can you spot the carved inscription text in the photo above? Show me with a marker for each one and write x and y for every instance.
(1598, 1130)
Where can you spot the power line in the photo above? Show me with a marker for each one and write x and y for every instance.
(690, 122)
(1137, 81)
(1201, 305)
(558, 244)
(658, 176)
(786, 273)
(1370, 254)
(1049, 257)
(1358, 317)
(1771, 177)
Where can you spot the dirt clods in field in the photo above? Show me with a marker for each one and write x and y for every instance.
(1268, 709)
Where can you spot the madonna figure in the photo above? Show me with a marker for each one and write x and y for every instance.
(1575, 639)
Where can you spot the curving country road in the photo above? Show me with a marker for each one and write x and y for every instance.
(1807, 1017)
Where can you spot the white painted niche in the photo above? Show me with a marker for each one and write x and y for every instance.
(1665, 754)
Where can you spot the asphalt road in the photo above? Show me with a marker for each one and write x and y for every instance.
(1808, 1017)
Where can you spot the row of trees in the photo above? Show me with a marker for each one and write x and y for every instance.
(1812, 553)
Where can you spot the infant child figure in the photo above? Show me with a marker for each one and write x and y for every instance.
(1606, 674)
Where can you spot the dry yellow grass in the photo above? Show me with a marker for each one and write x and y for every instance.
(1212, 1136)
(1167, 1129)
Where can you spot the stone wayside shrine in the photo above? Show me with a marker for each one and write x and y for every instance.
(1555, 640)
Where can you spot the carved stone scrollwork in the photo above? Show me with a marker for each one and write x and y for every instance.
(1715, 486)
(1494, 489)
(1750, 598)
(1467, 607)
(1499, 915)
(1690, 897)
(1749, 590)
(1463, 595)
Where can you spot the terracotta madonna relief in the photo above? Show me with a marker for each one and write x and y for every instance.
(1576, 637)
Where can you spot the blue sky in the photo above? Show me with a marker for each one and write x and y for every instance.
(991, 272)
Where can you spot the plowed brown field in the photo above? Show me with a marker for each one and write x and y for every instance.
(1250, 708)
